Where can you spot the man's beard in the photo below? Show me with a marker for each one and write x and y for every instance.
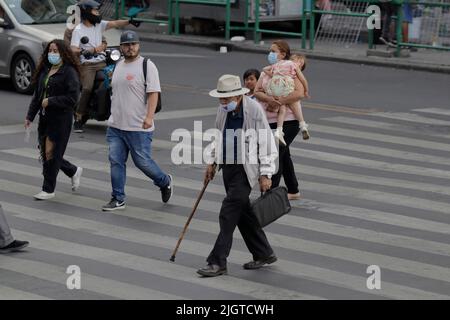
(131, 56)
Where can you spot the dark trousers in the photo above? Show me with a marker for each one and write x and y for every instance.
(286, 167)
(235, 212)
(57, 128)
(387, 11)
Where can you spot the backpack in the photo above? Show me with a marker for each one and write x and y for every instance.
(158, 105)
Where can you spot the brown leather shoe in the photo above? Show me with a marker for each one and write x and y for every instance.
(259, 263)
(212, 270)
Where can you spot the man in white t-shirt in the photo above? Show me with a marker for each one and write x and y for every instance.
(131, 126)
(91, 54)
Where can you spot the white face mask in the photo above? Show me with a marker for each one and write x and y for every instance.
(54, 58)
(230, 106)
(272, 58)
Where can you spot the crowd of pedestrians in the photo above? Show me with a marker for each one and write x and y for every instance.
(269, 101)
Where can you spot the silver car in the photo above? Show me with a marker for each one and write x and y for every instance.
(26, 26)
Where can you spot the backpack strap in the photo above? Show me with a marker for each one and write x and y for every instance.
(158, 105)
(144, 69)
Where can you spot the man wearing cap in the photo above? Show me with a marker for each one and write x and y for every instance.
(239, 113)
(131, 126)
(91, 54)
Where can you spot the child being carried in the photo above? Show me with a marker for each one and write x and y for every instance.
(281, 84)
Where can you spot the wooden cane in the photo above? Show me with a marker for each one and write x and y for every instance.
(172, 258)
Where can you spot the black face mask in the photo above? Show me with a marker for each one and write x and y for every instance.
(92, 18)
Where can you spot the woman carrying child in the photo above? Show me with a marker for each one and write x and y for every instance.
(290, 125)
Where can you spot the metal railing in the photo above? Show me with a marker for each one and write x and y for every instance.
(400, 19)
(248, 25)
(120, 8)
(225, 3)
(311, 12)
(173, 20)
(258, 30)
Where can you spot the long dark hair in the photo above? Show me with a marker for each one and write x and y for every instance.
(66, 55)
(283, 46)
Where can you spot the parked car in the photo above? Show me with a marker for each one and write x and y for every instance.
(26, 26)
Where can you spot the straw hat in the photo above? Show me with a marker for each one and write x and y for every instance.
(228, 86)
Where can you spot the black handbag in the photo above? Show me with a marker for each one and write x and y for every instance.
(270, 206)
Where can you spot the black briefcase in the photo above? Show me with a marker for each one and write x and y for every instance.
(271, 205)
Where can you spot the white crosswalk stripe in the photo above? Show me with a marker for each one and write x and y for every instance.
(438, 111)
(372, 195)
(293, 221)
(193, 247)
(411, 117)
(385, 126)
(161, 268)
(358, 161)
(323, 247)
(92, 283)
(374, 150)
(7, 293)
(382, 137)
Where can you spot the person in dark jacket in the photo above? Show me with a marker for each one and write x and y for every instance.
(57, 89)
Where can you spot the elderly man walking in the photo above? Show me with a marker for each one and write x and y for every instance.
(243, 164)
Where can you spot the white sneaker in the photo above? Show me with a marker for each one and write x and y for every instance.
(304, 130)
(44, 195)
(279, 135)
(76, 179)
(294, 196)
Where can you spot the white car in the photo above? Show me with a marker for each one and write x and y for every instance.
(26, 26)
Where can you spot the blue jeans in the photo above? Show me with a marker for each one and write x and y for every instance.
(139, 144)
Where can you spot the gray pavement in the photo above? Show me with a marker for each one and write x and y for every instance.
(374, 178)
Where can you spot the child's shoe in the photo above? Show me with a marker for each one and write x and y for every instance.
(304, 130)
(279, 135)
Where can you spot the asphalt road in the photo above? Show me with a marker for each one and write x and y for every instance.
(375, 181)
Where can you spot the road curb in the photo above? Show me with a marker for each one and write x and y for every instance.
(236, 46)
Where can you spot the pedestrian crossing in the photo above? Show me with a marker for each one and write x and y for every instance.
(411, 117)
(398, 128)
(438, 111)
(374, 193)
(7, 293)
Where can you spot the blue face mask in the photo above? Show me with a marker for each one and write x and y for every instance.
(272, 58)
(230, 106)
(54, 58)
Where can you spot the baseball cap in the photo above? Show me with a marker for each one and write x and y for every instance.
(129, 37)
